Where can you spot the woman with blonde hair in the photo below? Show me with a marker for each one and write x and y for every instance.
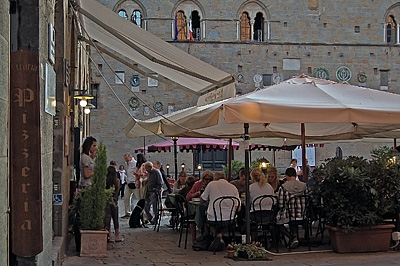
(273, 179)
(259, 187)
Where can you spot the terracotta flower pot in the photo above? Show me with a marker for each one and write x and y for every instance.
(363, 239)
(230, 253)
(94, 243)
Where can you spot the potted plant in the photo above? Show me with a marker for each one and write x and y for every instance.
(236, 165)
(356, 194)
(91, 208)
(253, 251)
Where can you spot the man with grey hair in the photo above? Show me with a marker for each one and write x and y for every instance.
(215, 189)
(153, 190)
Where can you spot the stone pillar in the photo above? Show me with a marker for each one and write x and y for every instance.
(252, 30)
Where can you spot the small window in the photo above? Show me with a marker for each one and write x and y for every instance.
(285, 24)
(196, 26)
(120, 77)
(100, 67)
(123, 14)
(94, 90)
(390, 29)
(309, 70)
(325, 25)
(275, 69)
(259, 28)
(245, 27)
(357, 29)
(137, 18)
(181, 26)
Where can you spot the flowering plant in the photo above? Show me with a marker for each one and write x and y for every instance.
(249, 251)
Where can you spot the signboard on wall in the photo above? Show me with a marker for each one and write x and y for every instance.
(25, 155)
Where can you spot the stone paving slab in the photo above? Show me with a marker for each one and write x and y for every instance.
(144, 246)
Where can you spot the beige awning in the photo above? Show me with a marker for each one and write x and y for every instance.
(144, 48)
(329, 111)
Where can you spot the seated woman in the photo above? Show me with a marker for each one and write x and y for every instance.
(180, 183)
(258, 188)
(273, 179)
(190, 180)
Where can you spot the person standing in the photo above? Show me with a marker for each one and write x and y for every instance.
(130, 180)
(140, 177)
(89, 152)
(122, 174)
(112, 207)
(152, 192)
(164, 181)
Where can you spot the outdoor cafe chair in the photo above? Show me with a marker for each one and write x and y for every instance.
(161, 210)
(298, 206)
(185, 220)
(224, 209)
(263, 218)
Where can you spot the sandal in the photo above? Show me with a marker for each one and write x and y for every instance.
(119, 240)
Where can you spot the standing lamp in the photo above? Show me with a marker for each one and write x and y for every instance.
(199, 167)
(167, 170)
(175, 139)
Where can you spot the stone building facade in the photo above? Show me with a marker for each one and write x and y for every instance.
(261, 43)
(41, 65)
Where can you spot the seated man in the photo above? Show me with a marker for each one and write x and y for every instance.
(240, 183)
(215, 189)
(291, 187)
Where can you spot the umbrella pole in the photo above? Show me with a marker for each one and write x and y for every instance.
(144, 145)
(303, 153)
(229, 177)
(175, 157)
(246, 169)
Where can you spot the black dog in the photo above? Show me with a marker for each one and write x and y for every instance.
(136, 219)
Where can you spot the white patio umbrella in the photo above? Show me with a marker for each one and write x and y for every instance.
(303, 108)
(328, 110)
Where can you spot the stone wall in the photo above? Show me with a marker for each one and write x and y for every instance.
(313, 35)
(4, 120)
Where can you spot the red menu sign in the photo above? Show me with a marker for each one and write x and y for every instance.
(25, 155)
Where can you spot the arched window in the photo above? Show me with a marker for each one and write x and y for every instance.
(244, 27)
(123, 14)
(259, 28)
(181, 26)
(137, 18)
(196, 25)
(390, 30)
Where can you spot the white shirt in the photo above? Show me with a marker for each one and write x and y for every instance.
(255, 191)
(130, 170)
(216, 189)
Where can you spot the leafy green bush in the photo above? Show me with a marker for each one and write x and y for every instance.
(358, 192)
(236, 165)
(93, 199)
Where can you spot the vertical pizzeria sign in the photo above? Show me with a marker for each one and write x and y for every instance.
(25, 155)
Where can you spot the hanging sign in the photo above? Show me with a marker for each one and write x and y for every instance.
(25, 155)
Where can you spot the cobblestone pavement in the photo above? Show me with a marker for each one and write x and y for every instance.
(144, 246)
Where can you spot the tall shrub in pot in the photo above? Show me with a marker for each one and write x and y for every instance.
(92, 209)
(357, 194)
